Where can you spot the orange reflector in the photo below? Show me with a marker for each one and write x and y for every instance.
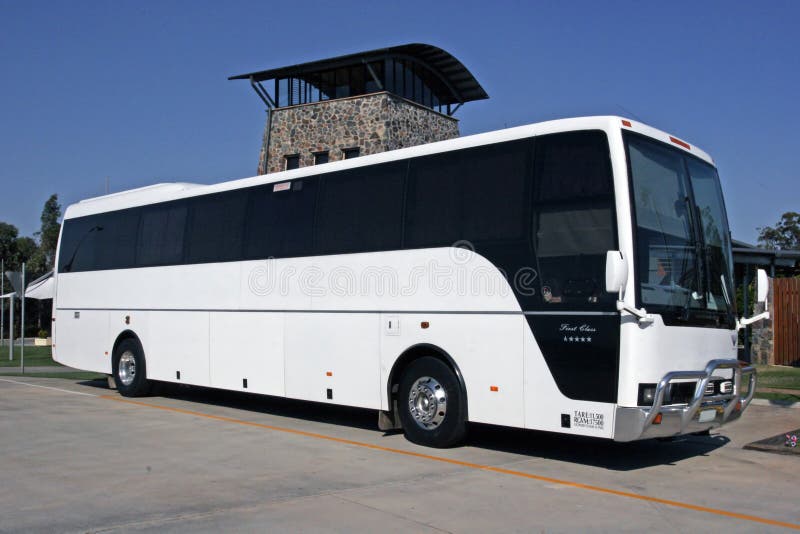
(424, 324)
(494, 388)
(627, 123)
(677, 141)
(739, 406)
(657, 420)
(106, 353)
(329, 373)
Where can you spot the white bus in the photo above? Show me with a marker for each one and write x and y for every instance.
(570, 276)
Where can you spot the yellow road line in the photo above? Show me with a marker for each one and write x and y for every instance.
(442, 459)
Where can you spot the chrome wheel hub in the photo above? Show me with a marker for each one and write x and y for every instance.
(127, 368)
(427, 402)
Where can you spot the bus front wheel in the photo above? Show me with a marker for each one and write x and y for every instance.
(128, 368)
(431, 404)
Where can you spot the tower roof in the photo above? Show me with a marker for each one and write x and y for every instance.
(447, 78)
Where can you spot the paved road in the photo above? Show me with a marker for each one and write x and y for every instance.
(81, 458)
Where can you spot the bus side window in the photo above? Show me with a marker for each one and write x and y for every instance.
(281, 219)
(360, 210)
(475, 195)
(216, 227)
(161, 234)
(573, 217)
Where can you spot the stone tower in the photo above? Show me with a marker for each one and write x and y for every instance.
(360, 104)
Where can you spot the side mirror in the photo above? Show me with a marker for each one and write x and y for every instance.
(762, 286)
(616, 271)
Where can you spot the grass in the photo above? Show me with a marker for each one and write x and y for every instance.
(34, 357)
(780, 397)
(778, 377)
(75, 375)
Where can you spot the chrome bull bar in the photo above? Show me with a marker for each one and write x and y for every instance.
(642, 422)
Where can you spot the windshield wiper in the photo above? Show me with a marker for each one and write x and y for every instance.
(693, 294)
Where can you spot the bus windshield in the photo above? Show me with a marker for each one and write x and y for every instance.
(682, 240)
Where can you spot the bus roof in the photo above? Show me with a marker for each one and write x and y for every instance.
(170, 191)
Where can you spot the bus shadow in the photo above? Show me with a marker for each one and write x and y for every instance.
(594, 452)
(603, 453)
(278, 406)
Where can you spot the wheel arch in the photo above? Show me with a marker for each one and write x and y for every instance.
(413, 353)
(125, 334)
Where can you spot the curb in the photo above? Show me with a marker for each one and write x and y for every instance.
(775, 404)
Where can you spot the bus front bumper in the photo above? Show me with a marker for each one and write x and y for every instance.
(701, 413)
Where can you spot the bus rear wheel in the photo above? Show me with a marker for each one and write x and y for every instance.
(128, 368)
(431, 404)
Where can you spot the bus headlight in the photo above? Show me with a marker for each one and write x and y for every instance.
(647, 393)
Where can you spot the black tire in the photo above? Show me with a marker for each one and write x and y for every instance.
(138, 386)
(452, 428)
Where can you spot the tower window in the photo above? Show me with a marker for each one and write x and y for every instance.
(320, 157)
(351, 152)
(292, 162)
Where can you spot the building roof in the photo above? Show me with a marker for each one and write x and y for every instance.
(746, 253)
(461, 84)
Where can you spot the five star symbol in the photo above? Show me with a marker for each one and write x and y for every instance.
(577, 339)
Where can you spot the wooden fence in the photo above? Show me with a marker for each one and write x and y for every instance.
(786, 315)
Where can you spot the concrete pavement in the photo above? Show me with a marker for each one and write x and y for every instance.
(77, 457)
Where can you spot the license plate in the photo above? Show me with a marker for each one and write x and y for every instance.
(707, 415)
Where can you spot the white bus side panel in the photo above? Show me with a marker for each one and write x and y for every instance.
(247, 345)
(487, 349)
(346, 345)
(82, 340)
(177, 342)
(545, 404)
(191, 287)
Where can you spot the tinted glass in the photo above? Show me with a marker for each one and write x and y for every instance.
(666, 256)
(714, 224)
(361, 210)
(216, 228)
(574, 217)
(78, 244)
(281, 219)
(161, 234)
(104, 241)
(476, 195)
(117, 241)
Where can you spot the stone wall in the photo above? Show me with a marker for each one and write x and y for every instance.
(761, 333)
(374, 123)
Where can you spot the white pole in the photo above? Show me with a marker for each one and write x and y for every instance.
(11, 331)
(2, 300)
(22, 323)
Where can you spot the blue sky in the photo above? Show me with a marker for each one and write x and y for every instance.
(137, 91)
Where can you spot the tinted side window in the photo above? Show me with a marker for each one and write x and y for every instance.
(116, 242)
(574, 221)
(216, 228)
(280, 219)
(78, 244)
(361, 210)
(103, 241)
(476, 194)
(161, 234)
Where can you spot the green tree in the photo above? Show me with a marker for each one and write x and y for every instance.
(26, 250)
(785, 235)
(42, 260)
(8, 244)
